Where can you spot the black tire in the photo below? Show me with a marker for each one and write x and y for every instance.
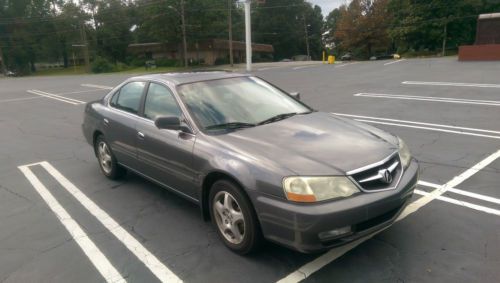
(252, 236)
(111, 170)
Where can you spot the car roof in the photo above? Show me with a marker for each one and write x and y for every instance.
(190, 77)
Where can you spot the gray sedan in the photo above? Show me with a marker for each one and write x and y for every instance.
(260, 163)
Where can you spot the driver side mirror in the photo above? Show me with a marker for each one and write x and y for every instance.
(295, 95)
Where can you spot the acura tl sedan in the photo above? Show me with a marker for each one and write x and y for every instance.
(260, 163)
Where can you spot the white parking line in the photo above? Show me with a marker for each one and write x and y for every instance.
(430, 129)
(426, 126)
(309, 268)
(97, 86)
(451, 84)
(419, 123)
(393, 62)
(462, 203)
(81, 91)
(56, 97)
(451, 184)
(429, 98)
(462, 192)
(98, 259)
(146, 257)
(270, 68)
(304, 67)
(348, 64)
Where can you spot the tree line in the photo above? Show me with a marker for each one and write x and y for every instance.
(426, 27)
(33, 31)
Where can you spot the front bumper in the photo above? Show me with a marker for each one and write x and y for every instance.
(298, 226)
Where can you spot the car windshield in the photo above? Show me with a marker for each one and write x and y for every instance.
(237, 102)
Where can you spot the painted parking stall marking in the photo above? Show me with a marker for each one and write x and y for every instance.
(98, 86)
(460, 202)
(426, 126)
(451, 84)
(98, 259)
(348, 64)
(56, 97)
(147, 258)
(429, 98)
(309, 268)
(303, 67)
(394, 62)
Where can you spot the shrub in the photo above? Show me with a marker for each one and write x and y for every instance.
(164, 62)
(101, 65)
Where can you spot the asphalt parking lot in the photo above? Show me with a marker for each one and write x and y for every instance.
(447, 111)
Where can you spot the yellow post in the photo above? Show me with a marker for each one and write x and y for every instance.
(331, 59)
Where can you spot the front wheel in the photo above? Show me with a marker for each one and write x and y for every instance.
(234, 218)
(107, 161)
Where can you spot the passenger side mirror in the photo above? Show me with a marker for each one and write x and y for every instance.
(171, 123)
(168, 123)
(295, 95)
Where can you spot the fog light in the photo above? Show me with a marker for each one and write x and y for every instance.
(335, 233)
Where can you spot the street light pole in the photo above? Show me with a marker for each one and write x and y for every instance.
(184, 42)
(248, 35)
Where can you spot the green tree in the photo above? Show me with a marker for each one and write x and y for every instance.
(429, 24)
(113, 29)
(282, 23)
(363, 27)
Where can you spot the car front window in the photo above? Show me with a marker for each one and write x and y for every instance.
(244, 100)
(160, 102)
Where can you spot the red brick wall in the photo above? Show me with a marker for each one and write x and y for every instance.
(487, 52)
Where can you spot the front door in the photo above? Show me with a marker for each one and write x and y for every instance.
(165, 155)
(120, 122)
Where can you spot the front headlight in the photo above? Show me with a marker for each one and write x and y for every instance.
(313, 189)
(404, 153)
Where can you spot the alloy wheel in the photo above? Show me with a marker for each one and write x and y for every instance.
(229, 217)
(105, 159)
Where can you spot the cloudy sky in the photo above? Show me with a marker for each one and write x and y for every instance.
(328, 5)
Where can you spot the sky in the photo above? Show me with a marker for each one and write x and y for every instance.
(328, 5)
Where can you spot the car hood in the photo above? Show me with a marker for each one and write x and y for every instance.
(312, 144)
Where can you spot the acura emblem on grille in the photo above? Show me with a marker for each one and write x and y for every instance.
(386, 176)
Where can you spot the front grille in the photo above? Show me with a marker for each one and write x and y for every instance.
(380, 177)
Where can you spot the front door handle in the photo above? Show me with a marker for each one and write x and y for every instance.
(141, 135)
(106, 121)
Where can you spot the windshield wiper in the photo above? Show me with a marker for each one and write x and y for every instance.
(231, 125)
(277, 118)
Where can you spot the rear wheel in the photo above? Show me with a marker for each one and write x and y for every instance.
(107, 161)
(234, 218)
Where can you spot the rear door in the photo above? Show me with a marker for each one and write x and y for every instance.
(120, 122)
(165, 155)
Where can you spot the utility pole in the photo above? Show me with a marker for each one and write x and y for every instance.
(444, 37)
(230, 20)
(248, 35)
(2, 62)
(184, 41)
(307, 38)
(83, 35)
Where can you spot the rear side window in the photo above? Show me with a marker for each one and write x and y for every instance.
(160, 102)
(129, 97)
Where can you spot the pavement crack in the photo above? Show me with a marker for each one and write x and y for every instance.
(15, 193)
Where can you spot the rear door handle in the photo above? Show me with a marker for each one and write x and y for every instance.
(106, 121)
(141, 135)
